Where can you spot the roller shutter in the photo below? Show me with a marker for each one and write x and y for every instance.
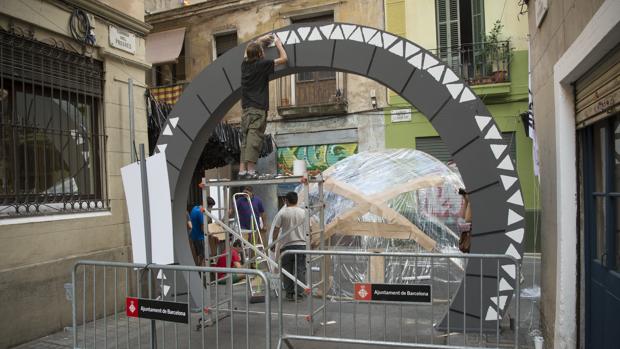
(597, 92)
(434, 146)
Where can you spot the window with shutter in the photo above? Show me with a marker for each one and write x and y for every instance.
(478, 36)
(225, 42)
(448, 31)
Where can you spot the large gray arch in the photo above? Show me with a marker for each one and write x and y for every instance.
(458, 115)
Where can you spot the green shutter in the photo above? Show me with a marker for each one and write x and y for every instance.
(435, 147)
(448, 31)
(477, 14)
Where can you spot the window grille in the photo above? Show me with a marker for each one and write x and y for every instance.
(52, 143)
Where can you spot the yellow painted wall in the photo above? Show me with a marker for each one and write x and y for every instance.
(515, 25)
(420, 23)
(416, 20)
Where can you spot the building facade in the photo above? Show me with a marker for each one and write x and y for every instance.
(64, 135)
(486, 43)
(575, 82)
(309, 112)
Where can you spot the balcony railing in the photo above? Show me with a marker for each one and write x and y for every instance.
(480, 63)
(312, 93)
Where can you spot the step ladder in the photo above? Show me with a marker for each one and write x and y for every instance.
(252, 258)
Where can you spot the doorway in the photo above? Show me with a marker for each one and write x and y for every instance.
(600, 156)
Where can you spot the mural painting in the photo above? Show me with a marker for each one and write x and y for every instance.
(318, 157)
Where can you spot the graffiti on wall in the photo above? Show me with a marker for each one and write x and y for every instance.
(318, 157)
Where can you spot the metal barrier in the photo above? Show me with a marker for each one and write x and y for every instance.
(116, 302)
(331, 314)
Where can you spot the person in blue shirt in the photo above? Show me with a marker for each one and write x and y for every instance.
(197, 234)
(245, 212)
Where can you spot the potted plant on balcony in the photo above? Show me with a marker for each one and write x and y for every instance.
(498, 52)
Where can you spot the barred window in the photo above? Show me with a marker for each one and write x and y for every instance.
(51, 132)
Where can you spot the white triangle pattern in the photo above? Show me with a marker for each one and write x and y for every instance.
(397, 49)
(327, 29)
(482, 121)
(467, 96)
(449, 77)
(337, 34)
(357, 35)
(512, 251)
(315, 35)
(510, 270)
(429, 61)
(303, 32)
(504, 285)
(376, 40)
(498, 149)
(368, 33)
(161, 275)
(516, 235)
(388, 39)
(493, 133)
(174, 122)
(507, 181)
(167, 131)
(410, 49)
(416, 61)
(436, 72)
(516, 198)
(162, 147)
(348, 29)
(506, 164)
(293, 38)
(513, 217)
(166, 290)
(455, 89)
(502, 301)
(492, 315)
(283, 35)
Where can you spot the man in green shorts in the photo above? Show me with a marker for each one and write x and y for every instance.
(255, 71)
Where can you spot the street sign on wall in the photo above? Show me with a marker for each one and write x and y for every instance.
(122, 39)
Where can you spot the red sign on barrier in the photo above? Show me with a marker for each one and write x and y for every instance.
(131, 307)
(363, 292)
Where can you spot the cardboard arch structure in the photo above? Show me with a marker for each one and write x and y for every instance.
(459, 116)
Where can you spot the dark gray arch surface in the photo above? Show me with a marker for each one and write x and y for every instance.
(459, 116)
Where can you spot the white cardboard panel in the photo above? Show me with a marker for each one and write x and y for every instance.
(160, 206)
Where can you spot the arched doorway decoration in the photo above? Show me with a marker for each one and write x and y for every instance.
(459, 116)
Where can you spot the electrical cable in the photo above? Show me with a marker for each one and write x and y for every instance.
(81, 28)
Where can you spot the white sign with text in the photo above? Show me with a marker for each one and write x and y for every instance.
(122, 39)
(401, 115)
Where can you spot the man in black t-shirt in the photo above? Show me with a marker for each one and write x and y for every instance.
(255, 71)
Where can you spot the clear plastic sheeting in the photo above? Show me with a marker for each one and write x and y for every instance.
(386, 201)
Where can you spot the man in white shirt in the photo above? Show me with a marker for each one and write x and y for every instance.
(291, 220)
